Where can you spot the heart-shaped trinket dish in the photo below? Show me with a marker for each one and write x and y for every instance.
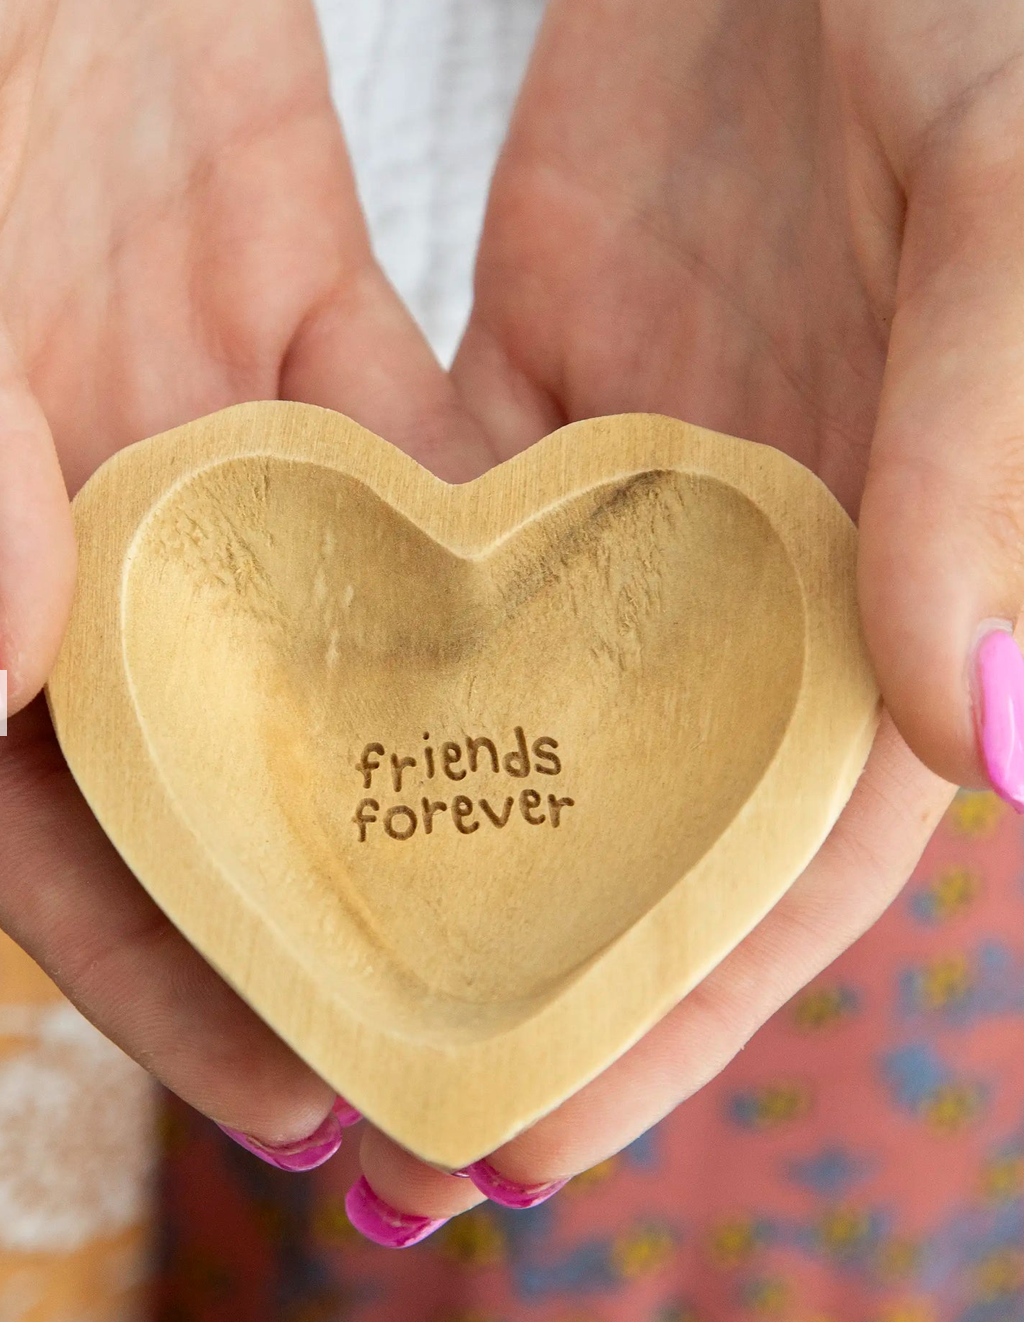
(462, 787)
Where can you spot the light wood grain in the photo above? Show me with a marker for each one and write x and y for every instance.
(649, 630)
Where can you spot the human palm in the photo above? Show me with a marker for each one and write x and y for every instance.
(759, 215)
(180, 228)
(669, 231)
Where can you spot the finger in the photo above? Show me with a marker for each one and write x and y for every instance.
(842, 892)
(942, 520)
(380, 1204)
(360, 352)
(37, 550)
(69, 900)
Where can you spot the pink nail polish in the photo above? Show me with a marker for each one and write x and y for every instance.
(499, 1189)
(384, 1224)
(304, 1155)
(1000, 687)
(345, 1113)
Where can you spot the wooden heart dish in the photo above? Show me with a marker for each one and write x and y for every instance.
(462, 787)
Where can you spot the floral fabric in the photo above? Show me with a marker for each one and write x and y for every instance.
(76, 1151)
(861, 1161)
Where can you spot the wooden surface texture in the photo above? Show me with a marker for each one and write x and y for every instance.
(462, 787)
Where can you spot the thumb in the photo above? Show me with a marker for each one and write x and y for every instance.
(942, 519)
(37, 548)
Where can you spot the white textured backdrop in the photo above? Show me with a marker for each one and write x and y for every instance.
(424, 88)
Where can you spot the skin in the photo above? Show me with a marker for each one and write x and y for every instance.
(796, 222)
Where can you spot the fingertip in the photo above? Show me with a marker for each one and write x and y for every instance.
(404, 1181)
(304, 1154)
(998, 689)
(37, 562)
(921, 601)
(507, 1192)
(376, 1219)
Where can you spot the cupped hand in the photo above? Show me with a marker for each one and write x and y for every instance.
(178, 232)
(800, 223)
(765, 217)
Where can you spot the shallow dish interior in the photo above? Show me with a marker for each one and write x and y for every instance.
(409, 747)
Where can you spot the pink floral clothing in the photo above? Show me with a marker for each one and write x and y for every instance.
(861, 1161)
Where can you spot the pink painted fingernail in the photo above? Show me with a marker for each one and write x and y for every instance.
(499, 1189)
(346, 1114)
(384, 1224)
(304, 1155)
(999, 670)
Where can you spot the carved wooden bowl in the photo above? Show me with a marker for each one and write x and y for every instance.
(462, 787)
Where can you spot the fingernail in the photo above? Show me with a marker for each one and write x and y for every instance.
(500, 1189)
(384, 1224)
(345, 1113)
(304, 1155)
(999, 670)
